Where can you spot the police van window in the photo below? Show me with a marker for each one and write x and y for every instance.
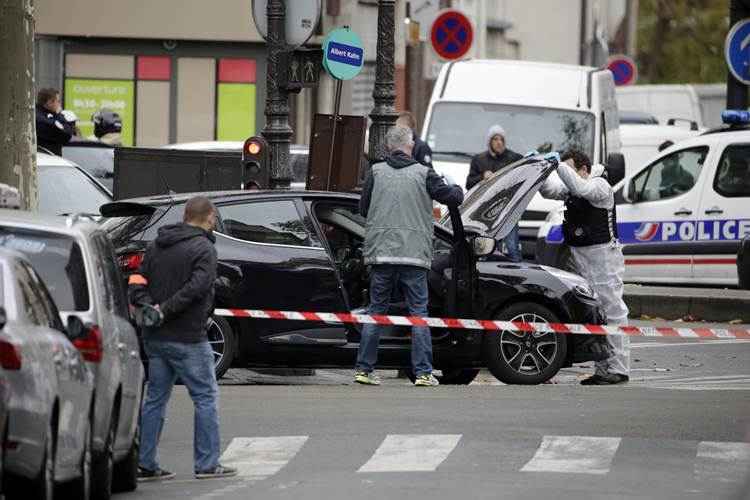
(671, 176)
(733, 175)
(269, 222)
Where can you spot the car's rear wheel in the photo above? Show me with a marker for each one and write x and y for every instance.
(223, 343)
(458, 376)
(80, 488)
(101, 487)
(125, 476)
(525, 358)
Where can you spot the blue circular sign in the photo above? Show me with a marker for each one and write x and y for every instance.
(343, 55)
(623, 69)
(737, 51)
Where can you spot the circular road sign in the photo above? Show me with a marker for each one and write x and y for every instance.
(737, 51)
(451, 34)
(343, 55)
(301, 19)
(623, 68)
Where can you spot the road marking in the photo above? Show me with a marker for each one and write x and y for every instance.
(260, 457)
(720, 461)
(411, 453)
(708, 383)
(573, 454)
(637, 345)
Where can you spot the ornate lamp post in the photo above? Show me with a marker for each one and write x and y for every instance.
(383, 115)
(277, 131)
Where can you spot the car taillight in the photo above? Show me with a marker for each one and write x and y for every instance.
(10, 356)
(90, 345)
(130, 262)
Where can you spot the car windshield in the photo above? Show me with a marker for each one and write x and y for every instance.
(459, 129)
(59, 261)
(67, 190)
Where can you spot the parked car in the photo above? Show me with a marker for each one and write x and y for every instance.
(48, 438)
(95, 157)
(641, 143)
(65, 188)
(303, 251)
(682, 215)
(75, 259)
(701, 104)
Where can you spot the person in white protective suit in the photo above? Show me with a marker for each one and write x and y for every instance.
(590, 230)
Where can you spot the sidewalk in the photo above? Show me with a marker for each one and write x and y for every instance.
(704, 304)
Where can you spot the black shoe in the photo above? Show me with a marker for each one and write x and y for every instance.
(606, 379)
(145, 475)
(217, 472)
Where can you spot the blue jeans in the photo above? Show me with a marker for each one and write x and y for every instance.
(412, 282)
(194, 365)
(512, 242)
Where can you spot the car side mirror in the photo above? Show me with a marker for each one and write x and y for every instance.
(3, 317)
(628, 191)
(615, 168)
(483, 245)
(76, 329)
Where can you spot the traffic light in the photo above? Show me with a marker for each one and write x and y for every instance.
(255, 169)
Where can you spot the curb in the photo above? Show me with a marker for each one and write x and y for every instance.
(671, 303)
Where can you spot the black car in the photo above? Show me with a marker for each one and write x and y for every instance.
(302, 251)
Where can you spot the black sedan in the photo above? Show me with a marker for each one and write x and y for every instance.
(303, 251)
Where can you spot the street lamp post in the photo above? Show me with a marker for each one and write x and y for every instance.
(383, 114)
(277, 131)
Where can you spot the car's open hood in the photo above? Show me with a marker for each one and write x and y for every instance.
(495, 205)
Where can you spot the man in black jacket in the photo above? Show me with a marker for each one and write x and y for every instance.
(487, 163)
(177, 280)
(52, 129)
(422, 151)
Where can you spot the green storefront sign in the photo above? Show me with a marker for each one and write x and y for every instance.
(86, 97)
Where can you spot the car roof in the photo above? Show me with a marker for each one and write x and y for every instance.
(53, 161)
(222, 196)
(222, 146)
(653, 134)
(72, 225)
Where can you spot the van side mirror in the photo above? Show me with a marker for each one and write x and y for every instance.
(615, 168)
(76, 329)
(483, 245)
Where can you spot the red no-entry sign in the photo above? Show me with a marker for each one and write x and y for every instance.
(452, 34)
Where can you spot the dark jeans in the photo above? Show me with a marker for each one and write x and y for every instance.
(194, 365)
(412, 282)
(512, 242)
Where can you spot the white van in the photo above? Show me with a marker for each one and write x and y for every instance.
(640, 143)
(701, 104)
(542, 107)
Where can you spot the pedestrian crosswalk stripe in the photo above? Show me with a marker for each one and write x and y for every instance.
(722, 461)
(261, 457)
(411, 452)
(574, 454)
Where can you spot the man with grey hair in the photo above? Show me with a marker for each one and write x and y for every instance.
(397, 202)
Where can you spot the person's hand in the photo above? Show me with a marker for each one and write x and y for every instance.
(487, 174)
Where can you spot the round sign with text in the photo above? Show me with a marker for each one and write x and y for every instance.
(343, 54)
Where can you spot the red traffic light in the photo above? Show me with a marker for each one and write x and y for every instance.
(254, 146)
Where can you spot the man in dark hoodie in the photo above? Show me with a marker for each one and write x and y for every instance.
(177, 280)
(487, 163)
(397, 202)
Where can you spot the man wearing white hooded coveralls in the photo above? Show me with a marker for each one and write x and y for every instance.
(590, 229)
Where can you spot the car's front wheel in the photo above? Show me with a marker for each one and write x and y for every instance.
(515, 357)
(223, 343)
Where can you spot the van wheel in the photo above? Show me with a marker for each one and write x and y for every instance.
(126, 472)
(223, 343)
(525, 358)
(459, 376)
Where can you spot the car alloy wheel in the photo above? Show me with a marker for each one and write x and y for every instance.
(223, 343)
(528, 353)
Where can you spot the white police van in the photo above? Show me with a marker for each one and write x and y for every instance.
(681, 217)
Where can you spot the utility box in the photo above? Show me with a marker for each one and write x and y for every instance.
(348, 153)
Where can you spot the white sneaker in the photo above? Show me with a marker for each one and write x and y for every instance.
(426, 380)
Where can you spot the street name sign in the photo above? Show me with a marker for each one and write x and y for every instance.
(301, 20)
(343, 54)
(452, 34)
(623, 69)
(737, 51)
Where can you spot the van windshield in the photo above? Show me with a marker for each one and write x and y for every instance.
(459, 129)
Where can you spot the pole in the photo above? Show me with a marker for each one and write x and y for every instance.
(277, 131)
(383, 114)
(736, 90)
(17, 113)
(336, 110)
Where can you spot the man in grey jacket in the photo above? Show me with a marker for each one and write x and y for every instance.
(397, 201)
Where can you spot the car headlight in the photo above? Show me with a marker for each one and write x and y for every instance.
(585, 291)
(576, 283)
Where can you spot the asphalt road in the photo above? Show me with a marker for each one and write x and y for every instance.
(680, 429)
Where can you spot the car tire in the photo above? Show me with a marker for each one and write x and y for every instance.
(541, 356)
(43, 486)
(459, 376)
(126, 471)
(223, 342)
(80, 488)
(103, 465)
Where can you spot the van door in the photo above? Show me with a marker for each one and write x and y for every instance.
(658, 228)
(723, 217)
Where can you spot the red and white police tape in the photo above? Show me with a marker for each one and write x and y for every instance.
(477, 324)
